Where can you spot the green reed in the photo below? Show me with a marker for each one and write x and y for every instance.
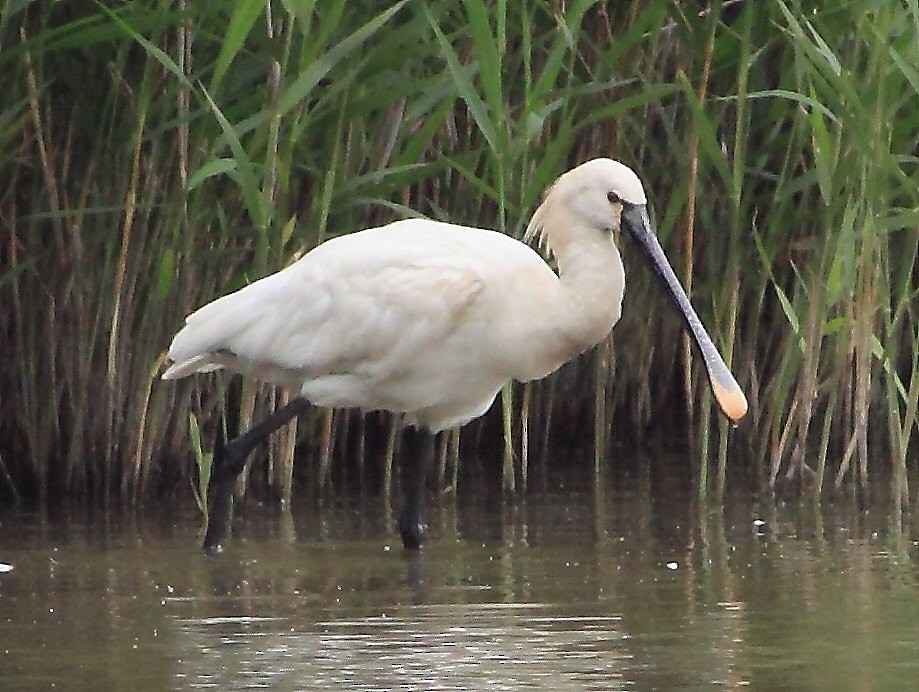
(156, 155)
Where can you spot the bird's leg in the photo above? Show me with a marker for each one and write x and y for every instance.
(230, 462)
(410, 525)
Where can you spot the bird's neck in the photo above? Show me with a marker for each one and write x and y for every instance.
(579, 309)
(581, 306)
(591, 285)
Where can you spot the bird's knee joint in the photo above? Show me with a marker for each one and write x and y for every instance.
(234, 456)
(412, 531)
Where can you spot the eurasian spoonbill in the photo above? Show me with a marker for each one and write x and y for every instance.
(431, 319)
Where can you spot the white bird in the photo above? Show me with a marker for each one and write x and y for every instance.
(431, 319)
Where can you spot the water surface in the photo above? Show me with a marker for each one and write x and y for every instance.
(620, 584)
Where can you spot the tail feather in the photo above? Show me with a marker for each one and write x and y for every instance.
(203, 363)
(215, 332)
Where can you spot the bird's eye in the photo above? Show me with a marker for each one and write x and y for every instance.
(612, 197)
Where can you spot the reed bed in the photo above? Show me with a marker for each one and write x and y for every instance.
(154, 155)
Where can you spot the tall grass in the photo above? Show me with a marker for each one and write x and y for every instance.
(156, 155)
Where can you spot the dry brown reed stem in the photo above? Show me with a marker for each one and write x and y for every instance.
(688, 389)
(524, 434)
(689, 235)
(845, 462)
(779, 446)
(508, 475)
(454, 458)
(325, 446)
(131, 485)
(825, 442)
(247, 408)
(864, 358)
(115, 339)
(912, 406)
(42, 142)
(806, 391)
(733, 307)
(389, 456)
(183, 96)
(601, 382)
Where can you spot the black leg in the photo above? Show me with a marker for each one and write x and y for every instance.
(410, 525)
(229, 464)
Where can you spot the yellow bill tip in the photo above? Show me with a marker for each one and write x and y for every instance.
(731, 399)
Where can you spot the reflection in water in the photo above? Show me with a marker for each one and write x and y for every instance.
(502, 646)
(618, 584)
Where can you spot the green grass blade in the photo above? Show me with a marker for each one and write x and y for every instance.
(160, 55)
(562, 42)
(241, 23)
(708, 139)
(252, 195)
(310, 77)
(485, 44)
(824, 159)
(209, 170)
(464, 86)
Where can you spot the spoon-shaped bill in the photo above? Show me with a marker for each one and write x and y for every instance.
(727, 392)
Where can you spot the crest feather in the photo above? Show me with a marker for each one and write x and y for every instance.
(536, 229)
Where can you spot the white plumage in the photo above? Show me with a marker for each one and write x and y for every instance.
(420, 317)
(429, 318)
(403, 318)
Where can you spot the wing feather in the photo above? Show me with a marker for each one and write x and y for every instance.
(358, 305)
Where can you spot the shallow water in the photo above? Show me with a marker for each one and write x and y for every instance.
(623, 584)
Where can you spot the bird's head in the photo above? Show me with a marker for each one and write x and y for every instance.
(605, 195)
(598, 191)
(593, 195)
